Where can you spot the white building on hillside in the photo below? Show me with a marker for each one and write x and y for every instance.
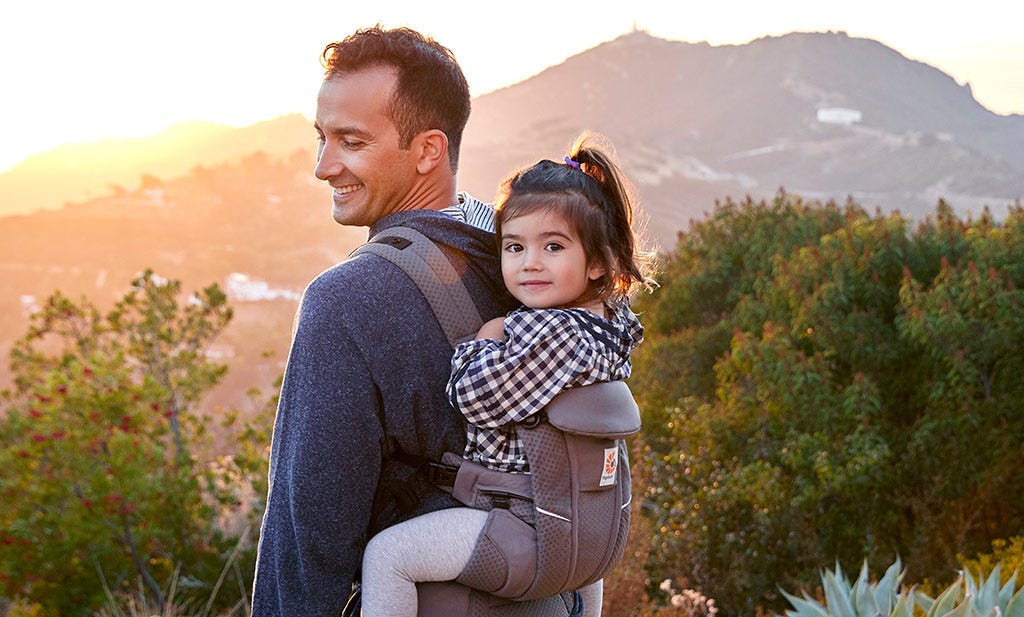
(839, 115)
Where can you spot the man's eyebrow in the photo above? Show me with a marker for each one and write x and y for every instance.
(344, 130)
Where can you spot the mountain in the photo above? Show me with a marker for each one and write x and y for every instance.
(76, 172)
(821, 114)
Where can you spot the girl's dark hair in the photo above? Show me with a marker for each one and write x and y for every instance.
(431, 92)
(591, 193)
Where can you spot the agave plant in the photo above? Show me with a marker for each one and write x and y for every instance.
(967, 598)
(860, 599)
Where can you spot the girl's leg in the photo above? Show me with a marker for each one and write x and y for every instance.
(432, 547)
(593, 595)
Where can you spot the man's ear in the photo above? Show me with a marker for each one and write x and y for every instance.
(431, 147)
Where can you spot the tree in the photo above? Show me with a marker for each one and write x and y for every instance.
(105, 479)
(820, 384)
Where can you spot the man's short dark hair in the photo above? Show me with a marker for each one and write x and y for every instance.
(431, 91)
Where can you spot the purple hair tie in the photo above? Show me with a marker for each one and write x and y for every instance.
(571, 163)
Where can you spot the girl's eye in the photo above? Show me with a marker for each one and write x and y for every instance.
(513, 248)
(554, 247)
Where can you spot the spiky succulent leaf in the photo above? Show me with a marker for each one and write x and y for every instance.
(1015, 605)
(970, 587)
(886, 589)
(904, 606)
(862, 578)
(988, 592)
(837, 594)
(804, 607)
(1007, 592)
(841, 581)
(946, 600)
(963, 609)
(864, 600)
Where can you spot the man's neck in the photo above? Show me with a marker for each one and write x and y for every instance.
(431, 193)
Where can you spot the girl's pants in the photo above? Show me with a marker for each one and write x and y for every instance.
(433, 547)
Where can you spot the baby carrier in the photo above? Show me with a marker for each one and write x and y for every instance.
(562, 526)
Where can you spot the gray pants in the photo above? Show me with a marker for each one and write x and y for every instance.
(432, 547)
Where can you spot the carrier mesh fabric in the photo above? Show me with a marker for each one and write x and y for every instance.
(487, 569)
(580, 534)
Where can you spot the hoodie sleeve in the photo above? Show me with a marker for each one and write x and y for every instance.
(324, 465)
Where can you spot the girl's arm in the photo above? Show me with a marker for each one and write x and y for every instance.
(493, 329)
(496, 383)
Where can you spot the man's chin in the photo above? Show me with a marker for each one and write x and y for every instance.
(345, 216)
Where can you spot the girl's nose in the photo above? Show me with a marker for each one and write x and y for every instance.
(531, 261)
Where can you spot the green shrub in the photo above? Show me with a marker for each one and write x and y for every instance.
(822, 384)
(108, 479)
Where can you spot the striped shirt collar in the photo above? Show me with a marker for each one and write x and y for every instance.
(471, 210)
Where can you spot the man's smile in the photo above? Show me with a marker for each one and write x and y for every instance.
(346, 189)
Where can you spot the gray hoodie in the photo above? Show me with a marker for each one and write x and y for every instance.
(366, 374)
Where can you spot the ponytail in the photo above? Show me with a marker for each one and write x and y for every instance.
(596, 160)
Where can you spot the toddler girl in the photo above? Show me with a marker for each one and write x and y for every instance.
(568, 254)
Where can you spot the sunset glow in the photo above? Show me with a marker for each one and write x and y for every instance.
(77, 72)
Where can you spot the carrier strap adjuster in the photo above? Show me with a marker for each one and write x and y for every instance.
(440, 474)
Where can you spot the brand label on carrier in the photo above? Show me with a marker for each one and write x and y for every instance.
(611, 464)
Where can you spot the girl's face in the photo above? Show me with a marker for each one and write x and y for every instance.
(542, 261)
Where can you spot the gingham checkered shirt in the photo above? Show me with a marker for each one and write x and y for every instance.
(496, 384)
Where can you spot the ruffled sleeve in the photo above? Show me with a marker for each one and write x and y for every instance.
(496, 383)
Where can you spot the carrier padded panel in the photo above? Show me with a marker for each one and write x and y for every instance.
(450, 599)
(604, 409)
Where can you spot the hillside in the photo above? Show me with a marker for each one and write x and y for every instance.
(695, 122)
(77, 172)
(824, 115)
(260, 227)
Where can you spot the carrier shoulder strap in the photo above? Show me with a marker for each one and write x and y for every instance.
(435, 276)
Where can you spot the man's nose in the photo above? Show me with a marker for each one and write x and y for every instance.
(328, 164)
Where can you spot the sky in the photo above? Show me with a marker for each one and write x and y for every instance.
(80, 71)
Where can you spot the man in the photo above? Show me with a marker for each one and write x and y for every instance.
(368, 365)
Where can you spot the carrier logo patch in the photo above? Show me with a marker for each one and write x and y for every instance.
(611, 464)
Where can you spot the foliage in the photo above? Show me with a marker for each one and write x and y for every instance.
(108, 479)
(862, 598)
(963, 598)
(1008, 553)
(984, 598)
(811, 372)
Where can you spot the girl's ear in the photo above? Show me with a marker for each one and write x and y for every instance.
(432, 149)
(595, 271)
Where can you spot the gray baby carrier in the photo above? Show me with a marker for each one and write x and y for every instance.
(561, 527)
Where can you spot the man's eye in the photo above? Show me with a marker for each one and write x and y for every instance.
(353, 145)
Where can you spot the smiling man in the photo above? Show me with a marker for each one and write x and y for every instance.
(368, 364)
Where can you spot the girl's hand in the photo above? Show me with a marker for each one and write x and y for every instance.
(494, 329)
